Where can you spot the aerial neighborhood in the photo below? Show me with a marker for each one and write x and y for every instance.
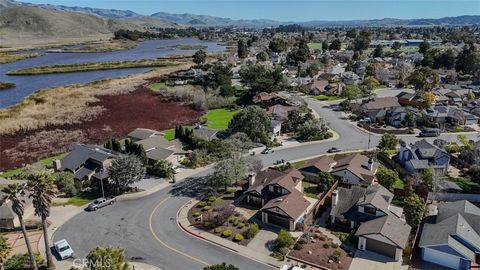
(182, 141)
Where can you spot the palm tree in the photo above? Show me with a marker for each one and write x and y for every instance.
(42, 185)
(18, 207)
(5, 250)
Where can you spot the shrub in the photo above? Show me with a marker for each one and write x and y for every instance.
(238, 237)
(230, 190)
(284, 240)
(206, 224)
(236, 222)
(337, 253)
(302, 241)
(326, 245)
(218, 230)
(196, 214)
(22, 261)
(241, 225)
(322, 238)
(236, 214)
(201, 204)
(334, 245)
(211, 199)
(298, 246)
(206, 208)
(253, 230)
(227, 233)
(232, 220)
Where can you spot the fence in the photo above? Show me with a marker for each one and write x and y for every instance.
(450, 197)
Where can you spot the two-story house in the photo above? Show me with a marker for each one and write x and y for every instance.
(279, 196)
(421, 155)
(377, 223)
(452, 240)
(377, 108)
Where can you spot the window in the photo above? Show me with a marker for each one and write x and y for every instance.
(370, 210)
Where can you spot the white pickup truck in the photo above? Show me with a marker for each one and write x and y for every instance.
(100, 202)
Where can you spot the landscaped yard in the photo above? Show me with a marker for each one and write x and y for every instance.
(327, 98)
(169, 134)
(311, 190)
(399, 184)
(217, 215)
(317, 249)
(81, 199)
(219, 118)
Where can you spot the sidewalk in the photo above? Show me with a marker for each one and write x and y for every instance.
(258, 255)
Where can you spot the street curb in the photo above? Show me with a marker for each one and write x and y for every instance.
(186, 231)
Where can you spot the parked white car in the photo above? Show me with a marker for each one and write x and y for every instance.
(63, 249)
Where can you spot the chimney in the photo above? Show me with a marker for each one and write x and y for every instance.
(251, 179)
(370, 164)
(334, 197)
(57, 164)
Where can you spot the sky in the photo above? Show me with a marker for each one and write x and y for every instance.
(289, 10)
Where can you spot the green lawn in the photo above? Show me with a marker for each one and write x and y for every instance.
(327, 98)
(17, 171)
(299, 164)
(465, 183)
(315, 45)
(239, 88)
(391, 152)
(169, 134)
(219, 118)
(157, 86)
(81, 199)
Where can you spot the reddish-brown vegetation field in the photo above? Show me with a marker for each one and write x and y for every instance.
(121, 114)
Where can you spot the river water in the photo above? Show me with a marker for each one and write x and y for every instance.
(26, 85)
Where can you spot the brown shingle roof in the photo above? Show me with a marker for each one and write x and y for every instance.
(293, 204)
(322, 163)
(358, 165)
(382, 103)
(287, 179)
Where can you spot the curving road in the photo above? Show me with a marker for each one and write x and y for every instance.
(147, 228)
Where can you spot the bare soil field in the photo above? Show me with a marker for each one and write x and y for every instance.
(121, 114)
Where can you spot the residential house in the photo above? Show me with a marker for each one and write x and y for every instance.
(158, 148)
(86, 162)
(350, 78)
(206, 133)
(280, 112)
(319, 86)
(421, 155)
(452, 240)
(355, 169)
(442, 115)
(142, 134)
(265, 99)
(398, 116)
(6, 216)
(280, 197)
(313, 167)
(377, 108)
(377, 223)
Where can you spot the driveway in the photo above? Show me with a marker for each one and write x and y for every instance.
(373, 261)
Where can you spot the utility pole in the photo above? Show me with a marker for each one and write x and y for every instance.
(368, 147)
(101, 182)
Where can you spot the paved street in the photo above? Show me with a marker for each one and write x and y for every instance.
(147, 229)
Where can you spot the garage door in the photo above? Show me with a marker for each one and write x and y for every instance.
(382, 248)
(441, 258)
(278, 220)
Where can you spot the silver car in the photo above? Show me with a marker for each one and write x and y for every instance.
(100, 202)
(63, 249)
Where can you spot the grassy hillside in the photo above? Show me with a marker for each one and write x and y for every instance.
(19, 22)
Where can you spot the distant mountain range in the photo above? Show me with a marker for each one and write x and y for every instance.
(163, 19)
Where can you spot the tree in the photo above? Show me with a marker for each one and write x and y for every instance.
(141, 153)
(362, 41)
(468, 61)
(252, 121)
(65, 182)
(414, 209)
(426, 177)
(277, 45)
(445, 59)
(42, 186)
(162, 168)
(18, 207)
(199, 57)
(378, 52)
(429, 98)
(107, 258)
(126, 170)
(471, 96)
(313, 129)
(388, 142)
(386, 177)
(222, 266)
(351, 33)
(5, 250)
(326, 179)
(335, 45)
(284, 240)
(223, 175)
(423, 47)
(396, 46)
(300, 54)
(371, 83)
(324, 46)
(22, 262)
(262, 56)
(424, 79)
(262, 79)
(242, 49)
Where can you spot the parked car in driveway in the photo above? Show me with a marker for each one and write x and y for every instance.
(267, 151)
(100, 202)
(63, 249)
(333, 150)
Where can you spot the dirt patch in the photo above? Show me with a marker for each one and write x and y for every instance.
(120, 114)
(315, 248)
